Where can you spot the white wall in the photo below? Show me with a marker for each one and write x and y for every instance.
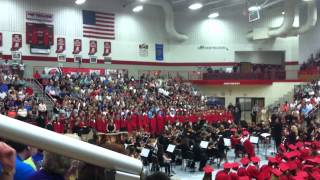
(229, 30)
(260, 57)
(309, 42)
(271, 93)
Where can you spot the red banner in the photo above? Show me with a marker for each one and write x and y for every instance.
(61, 45)
(16, 42)
(107, 49)
(99, 71)
(77, 46)
(93, 47)
(0, 39)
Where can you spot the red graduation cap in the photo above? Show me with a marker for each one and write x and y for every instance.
(276, 172)
(290, 155)
(307, 166)
(227, 165)
(255, 159)
(292, 165)
(292, 147)
(245, 133)
(282, 148)
(244, 178)
(307, 143)
(233, 129)
(208, 169)
(315, 175)
(302, 174)
(299, 144)
(283, 167)
(273, 160)
(245, 161)
(235, 165)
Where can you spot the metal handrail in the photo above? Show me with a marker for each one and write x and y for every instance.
(43, 92)
(313, 110)
(56, 143)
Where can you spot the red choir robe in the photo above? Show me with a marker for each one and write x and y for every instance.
(117, 123)
(193, 118)
(92, 124)
(101, 125)
(129, 124)
(153, 125)
(146, 123)
(160, 124)
(181, 118)
(134, 121)
(58, 127)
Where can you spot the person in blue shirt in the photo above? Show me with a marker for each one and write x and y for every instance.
(23, 170)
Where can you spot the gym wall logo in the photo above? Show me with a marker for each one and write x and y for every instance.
(39, 17)
(107, 48)
(77, 46)
(16, 42)
(202, 47)
(143, 50)
(0, 39)
(93, 47)
(61, 45)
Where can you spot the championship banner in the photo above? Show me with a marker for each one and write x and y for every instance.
(143, 50)
(107, 49)
(16, 42)
(67, 70)
(93, 47)
(0, 39)
(159, 52)
(61, 45)
(77, 46)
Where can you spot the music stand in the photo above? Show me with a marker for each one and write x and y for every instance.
(227, 142)
(171, 148)
(204, 144)
(254, 139)
(145, 152)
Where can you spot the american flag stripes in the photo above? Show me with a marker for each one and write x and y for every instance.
(98, 25)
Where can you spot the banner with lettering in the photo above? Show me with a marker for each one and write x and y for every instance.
(77, 46)
(159, 52)
(93, 47)
(0, 39)
(107, 49)
(16, 42)
(61, 45)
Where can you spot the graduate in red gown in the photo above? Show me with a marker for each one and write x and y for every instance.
(153, 124)
(224, 174)
(58, 127)
(160, 122)
(247, 145)
(253, 170)
(233, 173)
(134, 120)
(242, 171)
(207, 172)
(146, 122)
(129, 123)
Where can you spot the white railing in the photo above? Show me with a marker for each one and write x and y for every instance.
(21, 132)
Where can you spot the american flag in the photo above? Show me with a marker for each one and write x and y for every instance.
(98, 25)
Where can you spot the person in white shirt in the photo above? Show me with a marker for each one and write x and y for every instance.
(42, 108)
(22, 113)
(21, 69)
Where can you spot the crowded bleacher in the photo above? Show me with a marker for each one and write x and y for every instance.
(155, 113)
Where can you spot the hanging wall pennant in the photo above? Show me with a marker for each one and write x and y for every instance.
(0, 39)
(16, 42)
(93, 47)
(61, 45)
(77, 46)
(107, 49)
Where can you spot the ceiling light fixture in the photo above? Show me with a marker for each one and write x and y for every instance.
(195, 6)
(283, 13)
(79, 2)
(213, 15)
(254, 8)
(137, 8)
